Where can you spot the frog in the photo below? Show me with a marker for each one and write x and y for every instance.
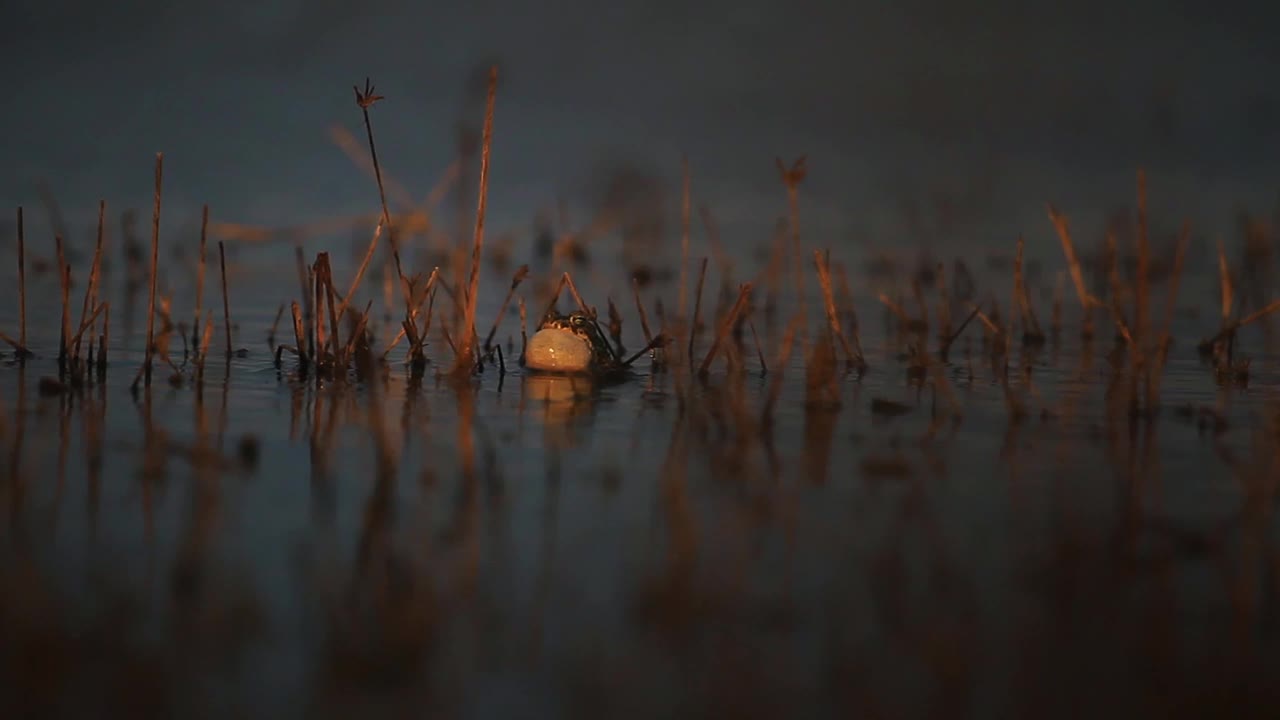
(571, 343)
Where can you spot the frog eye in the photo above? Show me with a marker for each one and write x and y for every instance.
(578, 320)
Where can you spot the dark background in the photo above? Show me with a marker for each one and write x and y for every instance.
(923, 121)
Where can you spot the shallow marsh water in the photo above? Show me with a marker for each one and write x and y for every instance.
(539, 547)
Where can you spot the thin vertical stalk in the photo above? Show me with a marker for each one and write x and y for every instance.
(155, 262)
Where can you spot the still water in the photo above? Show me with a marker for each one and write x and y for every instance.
(257, 544)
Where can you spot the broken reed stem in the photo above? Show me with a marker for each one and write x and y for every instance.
(299, 335)
(155, 263)
(358, 331)
(204, 235)
(465, 358)
(428, 296)
(364, 265)
(1063, 228)
(577, 298)
(85, 324)
(697, 307)
(521, 273)
(22, 285)
(726, 325)
(821, 263)
(649, 346)
(226, 303)
(950, 339)
(91, 290)
(324, 278)
(644, 318)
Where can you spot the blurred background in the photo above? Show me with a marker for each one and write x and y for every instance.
(923, 121)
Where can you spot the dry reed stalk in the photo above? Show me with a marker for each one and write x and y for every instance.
(1063, 229)
(22, 287)
(64, 278)
(784, 358)
(1224, 278)
(577, 297)
(364, 265)
(682, 301)
(275, 325)
(350, 146)
(304, 283)
(317, 332)
(521, 273)
(822, 264)
(644, 319)
(200, 265)
(428, 296)
(415, 350)
(895, 308)
(1231, 328)
(84, 325)
(105, 337)
(155, 263)
(366, 100)
(847, 296)
(226, 302)
(950, 339)
(17, 346)
(298, 333)
(615, 326)
(206, 338)
(335, 335)
(357, 332)
(697, 308)
(524, 333)
(1030, 324)
(91, 290)
(990, 324)
(726, 325)
(465, 359)
(1142, 309)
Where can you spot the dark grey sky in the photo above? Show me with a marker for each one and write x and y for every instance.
(998, 105)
